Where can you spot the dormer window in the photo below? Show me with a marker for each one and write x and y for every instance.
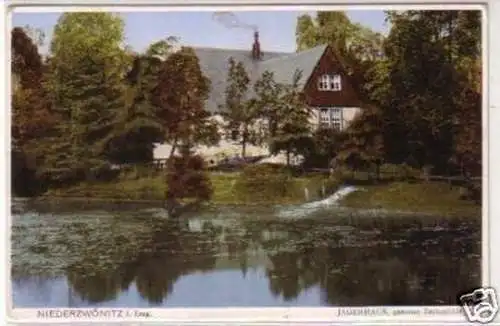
(330, 83)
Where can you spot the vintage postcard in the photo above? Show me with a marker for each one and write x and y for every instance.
(314, 164)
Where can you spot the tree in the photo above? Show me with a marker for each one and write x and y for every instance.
(241, 113)
(31, 115)
(186, 178)
(363, 144)
(36, 34)
(419, 105)
(293, 129)
(325, 146)
(136, 128)
(86, 73)
(267, 99)
(161, 49)
(32, 118)
(180, 97)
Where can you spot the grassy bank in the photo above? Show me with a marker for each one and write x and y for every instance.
(428, 197)
(154, 187)
(425, 197)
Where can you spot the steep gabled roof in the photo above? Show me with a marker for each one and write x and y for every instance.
(284, 67)
(214, 63)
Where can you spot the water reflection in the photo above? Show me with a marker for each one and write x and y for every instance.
(137, 258)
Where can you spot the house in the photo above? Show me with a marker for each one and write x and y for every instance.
(327, 87)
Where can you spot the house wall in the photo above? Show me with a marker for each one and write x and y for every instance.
(348, 114)
(346, 97)
(225, 148)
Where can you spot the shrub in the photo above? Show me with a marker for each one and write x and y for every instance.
(264, 182)
(186, 177)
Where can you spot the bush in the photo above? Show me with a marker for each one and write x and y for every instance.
(264, 182)
(187, 177)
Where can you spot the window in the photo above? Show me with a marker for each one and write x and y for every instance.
(330, 83)
(324, 118)
(336, 118)
(335, 83)
(330, 118)
(324, 83)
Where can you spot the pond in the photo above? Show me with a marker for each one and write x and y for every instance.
(116, 256)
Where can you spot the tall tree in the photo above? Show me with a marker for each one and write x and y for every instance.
(32, 118)
(241, 113)
(293, 130)
(31, 114)
(267, 98)
(419, 104)
(363, 144)
(180, 97)
(86, 72)
(137, 128)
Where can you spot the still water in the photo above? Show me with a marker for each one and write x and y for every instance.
(80, 256)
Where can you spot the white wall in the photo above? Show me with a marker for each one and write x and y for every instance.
(348, 114)
(225, 148)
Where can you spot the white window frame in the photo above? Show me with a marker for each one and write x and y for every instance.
(331, 117)
(336, 83)
(324, 117)
(330, 83)
(324, 82)
(336, 118)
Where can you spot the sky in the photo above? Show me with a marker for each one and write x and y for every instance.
(277, 28)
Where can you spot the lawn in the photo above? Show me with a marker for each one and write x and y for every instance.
(431, 197)
(154, 187)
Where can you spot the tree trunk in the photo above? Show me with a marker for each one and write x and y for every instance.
(244, 139)
(243, 149)
(174, 147)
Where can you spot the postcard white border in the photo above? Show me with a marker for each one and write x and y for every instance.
(491, 117)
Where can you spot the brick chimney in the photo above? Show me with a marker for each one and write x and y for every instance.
(256, 54)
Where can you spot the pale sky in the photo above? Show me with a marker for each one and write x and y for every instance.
(277, 28)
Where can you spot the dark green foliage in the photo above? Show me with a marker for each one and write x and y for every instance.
(78, 151)
(325, 144)
(240, 112)
(136, 127)
(423, 98)
(362, 143)
(292, 129)
(85, 83)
